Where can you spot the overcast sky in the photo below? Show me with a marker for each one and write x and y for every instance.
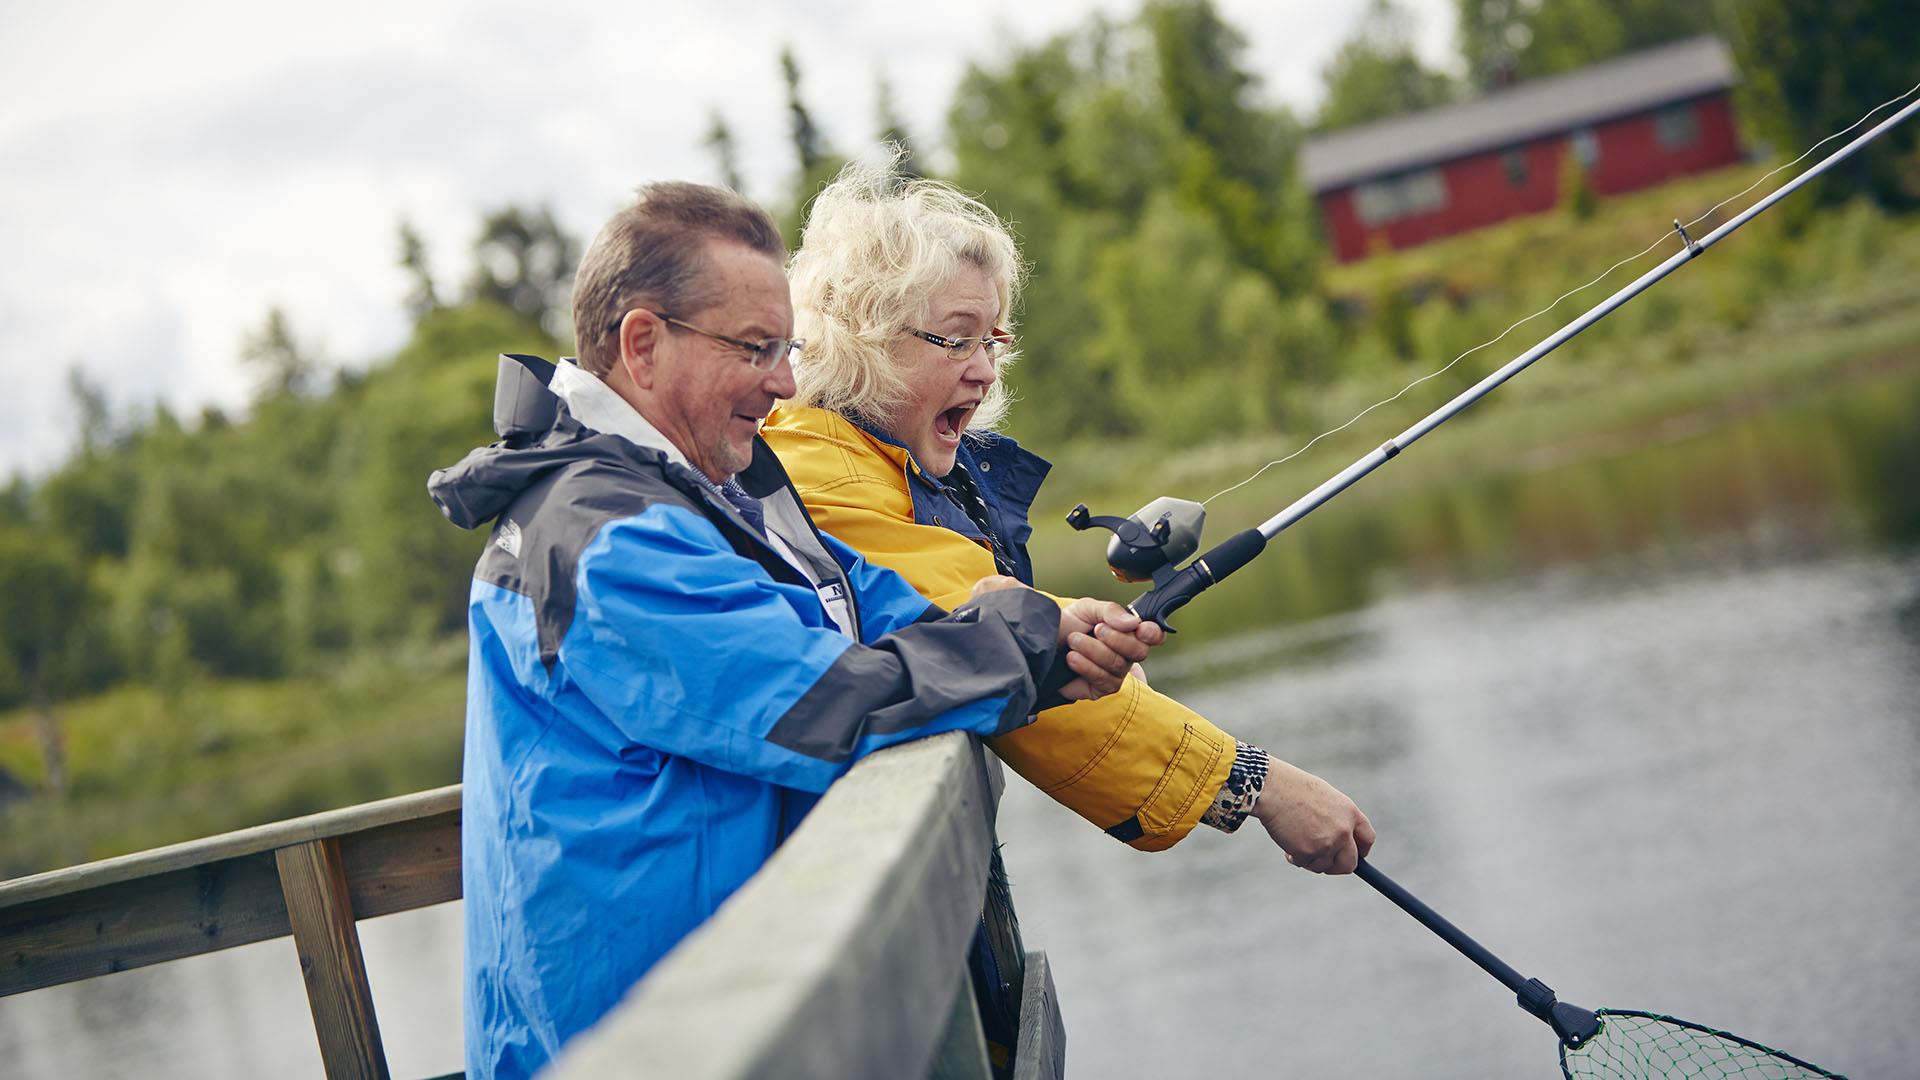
(169, 171)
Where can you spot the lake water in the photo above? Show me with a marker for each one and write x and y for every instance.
(1648, 727)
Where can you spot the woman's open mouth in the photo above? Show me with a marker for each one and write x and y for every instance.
(949, 424)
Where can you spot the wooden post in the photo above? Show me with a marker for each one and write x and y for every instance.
(1042, 1054)
(314, 881)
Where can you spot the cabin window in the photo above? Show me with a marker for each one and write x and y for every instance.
(1383, 201)
(1677, 127)
(1586, 148)
(1515, 164)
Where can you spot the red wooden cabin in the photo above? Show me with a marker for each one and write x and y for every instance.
(1630, 123)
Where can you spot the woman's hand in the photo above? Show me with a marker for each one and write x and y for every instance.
(1319, 828)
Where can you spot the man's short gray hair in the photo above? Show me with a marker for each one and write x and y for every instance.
(876, 250)
(652, 253)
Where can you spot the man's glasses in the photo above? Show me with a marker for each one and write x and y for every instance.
(763, 355)
(998, 343)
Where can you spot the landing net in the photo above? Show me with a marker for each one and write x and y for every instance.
(1643, 1046)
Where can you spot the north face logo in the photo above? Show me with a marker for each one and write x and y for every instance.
(507, 538)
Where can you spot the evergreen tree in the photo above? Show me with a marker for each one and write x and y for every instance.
(817, 163)
(422, 297)
(726, 158)
(807, 145)
(43, 635)
(1812, 69)
(893, 130)
(283, 367)
(1507, 41)
(1377, 75)
(523, 260)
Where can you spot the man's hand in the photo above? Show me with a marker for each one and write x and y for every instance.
(1104, 640)
(1319, 828)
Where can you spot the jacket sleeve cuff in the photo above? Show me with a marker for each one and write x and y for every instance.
(1241, 790)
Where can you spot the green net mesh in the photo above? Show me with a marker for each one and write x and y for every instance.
(1646, 1045)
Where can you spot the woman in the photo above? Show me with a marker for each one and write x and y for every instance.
(906, 291)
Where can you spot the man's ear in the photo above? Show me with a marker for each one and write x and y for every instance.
(641, 333)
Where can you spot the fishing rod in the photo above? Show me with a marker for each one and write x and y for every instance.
(1150, 543)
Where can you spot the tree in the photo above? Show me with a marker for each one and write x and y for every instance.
(1506, 41)
(726, 156)
(1377, 74)
(817, 163)
(893, 130)
(42, 635)
(1235, 158)
(90, 403)
(525, 261)
(284, 368)
(1815, 68)
(421, 295)
(807, 145)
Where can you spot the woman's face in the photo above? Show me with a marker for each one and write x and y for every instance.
(942, 393)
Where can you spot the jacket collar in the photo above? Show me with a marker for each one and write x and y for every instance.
(595, 405)
(1008, 474)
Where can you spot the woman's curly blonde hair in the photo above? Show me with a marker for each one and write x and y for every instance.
(876, 249)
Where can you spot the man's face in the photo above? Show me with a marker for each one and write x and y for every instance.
(708, 399)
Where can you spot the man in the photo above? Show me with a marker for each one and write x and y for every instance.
(668, 663)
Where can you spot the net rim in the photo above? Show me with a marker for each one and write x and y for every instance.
(1715, 1032)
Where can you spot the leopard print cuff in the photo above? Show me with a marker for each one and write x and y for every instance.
(1237, 796)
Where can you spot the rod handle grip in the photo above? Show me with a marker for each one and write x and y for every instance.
(1160, 602)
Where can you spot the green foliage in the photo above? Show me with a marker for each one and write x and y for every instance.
(44, 630)
(1577, 196)
(1156, 199)
(1813, 68)
(893, 130)
(402, 569)
(817, 163)
(422, 295)
(726, 156)
(524, 261)
(1506, 41)
(284, 368)
(1377, 75)
(1193, 340)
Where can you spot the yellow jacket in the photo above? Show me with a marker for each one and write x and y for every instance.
(1138, 764)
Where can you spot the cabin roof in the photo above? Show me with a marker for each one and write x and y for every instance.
(1634, 83)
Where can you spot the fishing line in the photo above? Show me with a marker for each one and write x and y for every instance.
(1608, 272)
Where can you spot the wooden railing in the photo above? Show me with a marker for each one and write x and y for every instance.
(312, 877)
(843, 957)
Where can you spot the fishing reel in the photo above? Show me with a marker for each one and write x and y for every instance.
(1152, 542)
(1148, 544)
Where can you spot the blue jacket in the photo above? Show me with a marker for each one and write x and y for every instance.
(655, 698)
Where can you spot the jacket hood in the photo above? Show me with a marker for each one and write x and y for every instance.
(483, 484)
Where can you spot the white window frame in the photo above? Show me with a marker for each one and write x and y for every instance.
(1382, 202)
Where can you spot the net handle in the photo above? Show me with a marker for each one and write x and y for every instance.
(1573, 1024)
(1438, 923)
